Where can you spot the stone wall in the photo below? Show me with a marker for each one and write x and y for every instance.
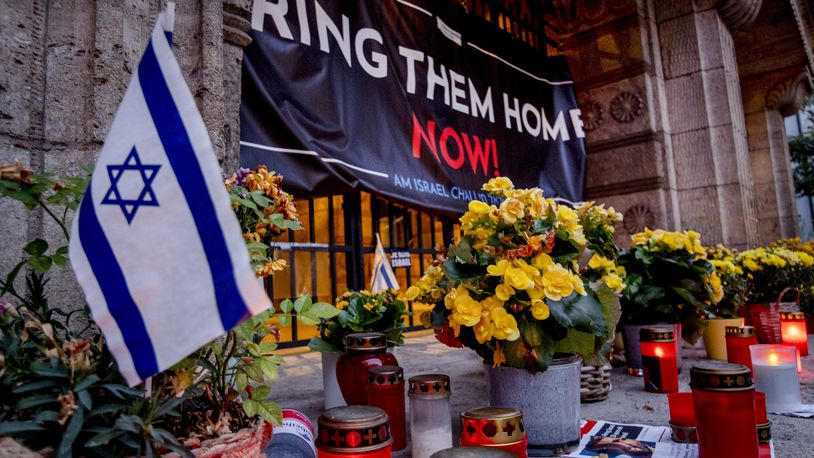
(64, 66)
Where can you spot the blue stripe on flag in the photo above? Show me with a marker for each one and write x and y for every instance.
(386, 277)
(187, 170)
(111, 281)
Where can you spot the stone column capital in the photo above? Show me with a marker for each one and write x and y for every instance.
(788, 95)
(738, 14)
(237, 22)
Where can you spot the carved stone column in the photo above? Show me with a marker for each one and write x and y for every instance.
(769, 151)
(236, 27)
(707, 128)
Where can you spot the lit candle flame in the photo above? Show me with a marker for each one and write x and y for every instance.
(774, 359)
(659, 352)
(794, 331)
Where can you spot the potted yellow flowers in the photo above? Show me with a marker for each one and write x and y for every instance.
(512, 290)
(726, 312)
(669, 280)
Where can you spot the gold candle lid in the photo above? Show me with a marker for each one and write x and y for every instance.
(656, 335)
(792, 316)
(385, 375)
(366, 342)
(740, 331)
(429, 386)
(492, 425)
(720, 376)
(353, 429)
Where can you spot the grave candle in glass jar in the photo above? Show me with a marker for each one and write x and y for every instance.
(494, 427)
(738, 340)
(362, 351)
(385, 389)
(723, 396)
(793, 331)
(659, 360)
(354, 432)
(430, 417)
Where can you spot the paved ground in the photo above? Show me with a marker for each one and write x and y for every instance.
(300, 387)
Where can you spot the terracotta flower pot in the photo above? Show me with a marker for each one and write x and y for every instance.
(248, 442)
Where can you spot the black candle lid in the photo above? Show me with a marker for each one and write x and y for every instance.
(385, 375)
(656, 335)
(740, 331)
(720, 376)
(353, 429)
(429, 386)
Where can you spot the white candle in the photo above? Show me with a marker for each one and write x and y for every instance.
(780, 385)
(425, 443)
(775, 371)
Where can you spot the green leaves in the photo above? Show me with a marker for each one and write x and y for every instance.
(267, 410)
(583, 313)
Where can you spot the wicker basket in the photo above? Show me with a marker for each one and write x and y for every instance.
(766, 317)
(595, 383)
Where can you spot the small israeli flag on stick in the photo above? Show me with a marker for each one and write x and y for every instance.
(155, 244)
(383, 276)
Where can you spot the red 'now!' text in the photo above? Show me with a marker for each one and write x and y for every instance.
(456, 148)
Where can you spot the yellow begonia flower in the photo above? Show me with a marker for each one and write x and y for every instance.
(540, 310)
(504, 292)
(536, 293)
(498, 184)
(557, 282)
(484, 330)
(504, 325)
(599, 262)
(466, 310)
(541, 261)
(412, 293)
(517, 278)
(499, 268)
(478, 207)
(491, 302)
(511, 210)
(613, 282)
(579, 286)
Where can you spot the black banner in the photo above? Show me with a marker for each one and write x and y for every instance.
(414, 100)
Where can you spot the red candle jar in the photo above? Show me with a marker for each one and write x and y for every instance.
(738, 339)
(659, 360)
(354, 432)
(682, 417)
(764, 426)
(495, 428)
(793, 331)
(362, 351)
(385, 389)
(723, 395)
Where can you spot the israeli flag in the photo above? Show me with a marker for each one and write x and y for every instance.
(383, 276)
(155, 244)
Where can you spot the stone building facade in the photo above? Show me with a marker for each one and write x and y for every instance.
(683, 100)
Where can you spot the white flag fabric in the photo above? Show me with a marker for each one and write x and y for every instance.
(155, 244)
(383, 276)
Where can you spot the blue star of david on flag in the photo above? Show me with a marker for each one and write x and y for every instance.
(181, 276)
(146, 196)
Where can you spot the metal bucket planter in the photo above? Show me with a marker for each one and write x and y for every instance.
(549, 400)
(633, 354)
